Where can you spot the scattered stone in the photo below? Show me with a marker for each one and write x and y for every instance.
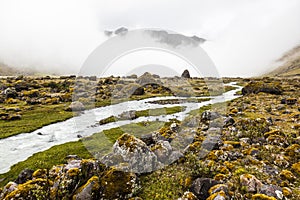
(272, 191)
(208, 115)
(229, 121)
(24, 176)
(251, 183)
(287, 175)
(10, 93)
(291, 101)
(76, 106)
(201, 186)
(14, 117)
(128, 115)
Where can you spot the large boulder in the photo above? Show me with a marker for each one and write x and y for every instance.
(256, 87)
(131, 154)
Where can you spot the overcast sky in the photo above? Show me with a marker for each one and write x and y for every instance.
(244, 37)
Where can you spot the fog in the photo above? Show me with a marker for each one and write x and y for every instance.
(243, 37)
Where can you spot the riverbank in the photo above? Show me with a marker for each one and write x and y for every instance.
(253, 154)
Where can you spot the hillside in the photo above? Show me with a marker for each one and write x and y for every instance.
(290, 64)
(6, 70)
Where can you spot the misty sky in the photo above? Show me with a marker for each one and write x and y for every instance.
(244, 37)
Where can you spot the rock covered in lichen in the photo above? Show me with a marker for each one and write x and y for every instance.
(79, 179)
(116, 184)
(134, 155)
(256, 87)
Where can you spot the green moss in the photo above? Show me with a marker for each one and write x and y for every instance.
(33, 189)
(107, 120)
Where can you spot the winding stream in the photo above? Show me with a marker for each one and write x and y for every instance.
(18, 148)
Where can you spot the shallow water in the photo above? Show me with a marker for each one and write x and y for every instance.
(18, 148)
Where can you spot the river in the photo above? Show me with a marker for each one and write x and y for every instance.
(18, 148)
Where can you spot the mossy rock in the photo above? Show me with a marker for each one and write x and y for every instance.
(287, 175)
(90, 190)
(40, 173)
(293, 150)
(262, 197)
(257, 87)
(32, 93)
(296, 168)
(117, 184)
(33, 189)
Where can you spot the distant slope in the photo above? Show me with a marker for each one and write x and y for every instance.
(6, 70)
(290, 64)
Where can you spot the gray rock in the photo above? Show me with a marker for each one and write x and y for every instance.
(24, 176)
(76, 106)
(251, 183)
(272, 191)
(201, 186)
(10, 93)
(135, 154)
(229, 121)
(162, 151)
(208, 115)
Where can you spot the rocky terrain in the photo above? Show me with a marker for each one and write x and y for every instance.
(251, 150)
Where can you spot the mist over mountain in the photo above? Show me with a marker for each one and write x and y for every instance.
(6, 70)
(289, 64)
(242, 38)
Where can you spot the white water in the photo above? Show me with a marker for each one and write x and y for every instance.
(18, 148)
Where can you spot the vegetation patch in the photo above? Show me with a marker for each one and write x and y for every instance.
(34, 118)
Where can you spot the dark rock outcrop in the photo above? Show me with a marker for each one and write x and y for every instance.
(256, 87)
(185, 74)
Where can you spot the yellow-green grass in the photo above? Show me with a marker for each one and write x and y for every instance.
(32, 119)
